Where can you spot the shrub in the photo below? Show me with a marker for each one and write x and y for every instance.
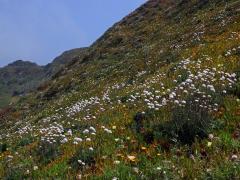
(3, 147)
(142, 126)
(187, 123)
(25, 141)
(15, 173)
(87, 157)
(48, 152)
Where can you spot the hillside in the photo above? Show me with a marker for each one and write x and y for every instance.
(156, 97)
(18, 78)
(21, 77)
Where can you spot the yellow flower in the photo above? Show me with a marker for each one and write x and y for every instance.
(132, 158)
(209, 144)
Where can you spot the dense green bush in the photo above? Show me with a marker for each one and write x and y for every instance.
(188, 122)
(48, 152)
(3, 147)
(82, 158)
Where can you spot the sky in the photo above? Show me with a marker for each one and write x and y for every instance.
(40, 30)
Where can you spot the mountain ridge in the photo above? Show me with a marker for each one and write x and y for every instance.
(21, 77)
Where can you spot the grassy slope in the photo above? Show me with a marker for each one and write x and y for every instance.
(145, 51)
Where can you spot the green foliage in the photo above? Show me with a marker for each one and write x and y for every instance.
(25, 141)
(3, 147)
(87, 158)
(188, 122)
(163, 143)
(47, 152)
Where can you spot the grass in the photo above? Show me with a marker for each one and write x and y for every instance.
(159, 147)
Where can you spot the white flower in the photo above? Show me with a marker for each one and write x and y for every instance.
(35, 168)
(116, 162)
(176, 102)
(88, 139)
(69, 132)
(210, 136)
(78, 139)
(10, 157)
(91, 148)
(189, 80)
(65, 140)
(81, 162)
(234, 157)
(93, 129)
(86, 131)
(135, 169)
(108, 131)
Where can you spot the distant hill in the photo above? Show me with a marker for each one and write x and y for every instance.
(21, 77)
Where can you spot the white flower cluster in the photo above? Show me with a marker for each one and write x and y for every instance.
(53, 133)
(81, 105)
(200, 82)
(232, 51)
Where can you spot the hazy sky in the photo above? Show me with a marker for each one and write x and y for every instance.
(40, 30)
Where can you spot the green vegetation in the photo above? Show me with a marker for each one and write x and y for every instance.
(156, 97)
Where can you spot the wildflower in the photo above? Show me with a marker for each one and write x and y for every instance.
(116, 162)
(234, 157)
(191, 156)
(10, 157)
(136, 170)
(86, 131)
(176, 102)
(78, 139)
(91, 148)
(88, 139)
(79, 176)
(65, 140)
(93, 129)
(131, 158)
(114, 178)
(35, 168)
(209, 144)
(81, 162)
(210, 136)
(108, 131)
(69, 132)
